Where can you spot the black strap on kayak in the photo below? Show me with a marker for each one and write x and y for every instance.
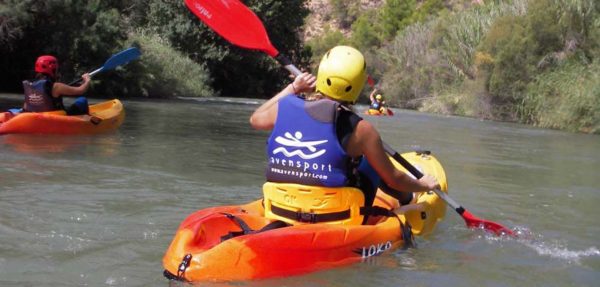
(243, 225)
(376, 211)
(273, 225)
(407, 236)
(246, 229)
(310, 217)
(170, 275)
(405, 229)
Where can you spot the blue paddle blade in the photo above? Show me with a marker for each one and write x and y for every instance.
(122, 58)
(114, 61)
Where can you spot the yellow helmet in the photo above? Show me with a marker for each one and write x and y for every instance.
(379, 97)
(342, 74)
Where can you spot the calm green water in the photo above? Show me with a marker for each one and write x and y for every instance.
(101, 210)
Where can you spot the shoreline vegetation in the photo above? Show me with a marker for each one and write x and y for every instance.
(528, 61)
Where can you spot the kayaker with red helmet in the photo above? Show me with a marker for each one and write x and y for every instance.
(322, 142)
(44, 93)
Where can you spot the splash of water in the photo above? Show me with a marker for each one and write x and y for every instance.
(553, 249)
(563, 253)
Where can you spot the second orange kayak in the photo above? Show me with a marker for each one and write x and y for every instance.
(382, 112)
(104, 117)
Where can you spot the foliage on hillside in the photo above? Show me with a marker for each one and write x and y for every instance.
(83, 34)
(531, 61)
(505, 60)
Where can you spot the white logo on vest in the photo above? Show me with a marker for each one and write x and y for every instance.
(304, 167)
(295, 142)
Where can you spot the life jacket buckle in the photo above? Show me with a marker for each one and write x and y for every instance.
(306, 217)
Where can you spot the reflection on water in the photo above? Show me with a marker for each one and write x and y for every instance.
(101, 210)
(42, 144)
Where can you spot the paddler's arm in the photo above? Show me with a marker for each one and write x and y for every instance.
(366, 141)
(60, 89)
(264, 117)
(372, 96)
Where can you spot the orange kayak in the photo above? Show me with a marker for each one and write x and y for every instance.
(383, 112)
(231, 243)
(104, 117)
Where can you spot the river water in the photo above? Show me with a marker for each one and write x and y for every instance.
(101, 210)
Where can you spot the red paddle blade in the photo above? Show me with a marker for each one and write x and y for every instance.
(370, 81)
(235, 22)
(474, 222)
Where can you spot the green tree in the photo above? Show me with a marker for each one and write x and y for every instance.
(345, 11)
(523, 47)
(82, 34)
(395, 15)
(512, 67)
(364, 33)
(328, 40)
(427, 9)
(78, 32)
(236, 71)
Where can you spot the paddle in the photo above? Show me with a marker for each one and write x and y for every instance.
(114, 61)
(470, 219)
(371, 81)
(239, 25)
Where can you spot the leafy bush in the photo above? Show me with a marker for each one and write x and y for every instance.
(412, 68)
(320, 45)
(162, 72)
(525, 47)
(395, 15)
(345, 11)
(236, 71)
(566, 98)
(513, 64)
(427, 10)
(364, 33)
(84, 33)
(433, 59)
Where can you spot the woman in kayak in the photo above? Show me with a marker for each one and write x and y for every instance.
(44, 93)
(322, 142)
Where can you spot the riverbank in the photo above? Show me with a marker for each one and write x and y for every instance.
(528, 61)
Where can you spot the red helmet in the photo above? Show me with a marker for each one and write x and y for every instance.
(46, 65)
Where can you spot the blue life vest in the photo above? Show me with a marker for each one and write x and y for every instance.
(38, 96)
(375, 105)
(303, 147)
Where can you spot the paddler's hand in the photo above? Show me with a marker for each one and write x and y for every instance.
(429, 182)
(86, 77)
(304, 83)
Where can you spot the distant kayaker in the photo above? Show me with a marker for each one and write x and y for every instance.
(320, 141)
(44, 93)
(377, 101)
